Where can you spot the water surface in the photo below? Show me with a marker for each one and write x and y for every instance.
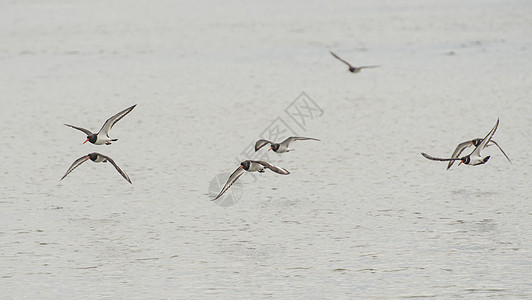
(362, 214)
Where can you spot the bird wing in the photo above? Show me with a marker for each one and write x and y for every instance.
(368, 67)
(232, 179)
(87, 132)
(261, 143)
(116, 167)
(485, 141)
(492, 141)
(108, 125)
(291, 139)
(459, 149)
(438, 159)
(76, 164)
(338, 57)
(276, 169)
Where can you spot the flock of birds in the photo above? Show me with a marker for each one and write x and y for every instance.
(102, 138)
(259, 165)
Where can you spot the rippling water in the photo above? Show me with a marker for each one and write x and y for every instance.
(362, 214)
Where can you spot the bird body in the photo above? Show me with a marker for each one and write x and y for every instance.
(283, 146)
(250, 166)
(95, 157)
(475, 142)
(475, 158)
(352, 68)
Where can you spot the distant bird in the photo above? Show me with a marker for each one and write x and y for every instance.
(96, 157)
(462, 146)
(283, 146)
(249, 166)
(102, 137)
(475, 157)
(351, 68)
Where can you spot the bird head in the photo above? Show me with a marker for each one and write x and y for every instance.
(90, 138)
(245, 165)
(275, 147)
(93, 156)
(465, 160)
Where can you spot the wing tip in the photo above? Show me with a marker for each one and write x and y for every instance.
(284, 171)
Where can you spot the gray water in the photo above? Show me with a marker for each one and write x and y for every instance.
(362, 214)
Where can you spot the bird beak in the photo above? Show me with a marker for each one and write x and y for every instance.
(270, 148)
(460, 163)
(241, 167)
(85, 141)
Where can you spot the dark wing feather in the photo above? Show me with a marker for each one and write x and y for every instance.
(291, 139)
(276, 169)
(108, 125)
(438, 159)
(492, 141)
(368, 67)
(485, 141)
(459, 149)
(338, 57)
(87, 132)
(116, 167)
(232, 179)
(76, 164)
(261, 143)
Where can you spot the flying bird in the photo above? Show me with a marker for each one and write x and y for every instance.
(102, 137)
(283, 146)
(96, 157)
(250, 166)
(462, 146)
(475, 158)
(352, 69)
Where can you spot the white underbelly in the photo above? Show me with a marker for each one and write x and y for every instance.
(100, 140)
(100, 159)
(254, 167)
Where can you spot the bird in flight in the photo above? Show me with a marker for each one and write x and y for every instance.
(474, 158)
(281, 147)
(96, 157)
(102, 137)
(475, 142)
(352, 69)
(250, 166)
